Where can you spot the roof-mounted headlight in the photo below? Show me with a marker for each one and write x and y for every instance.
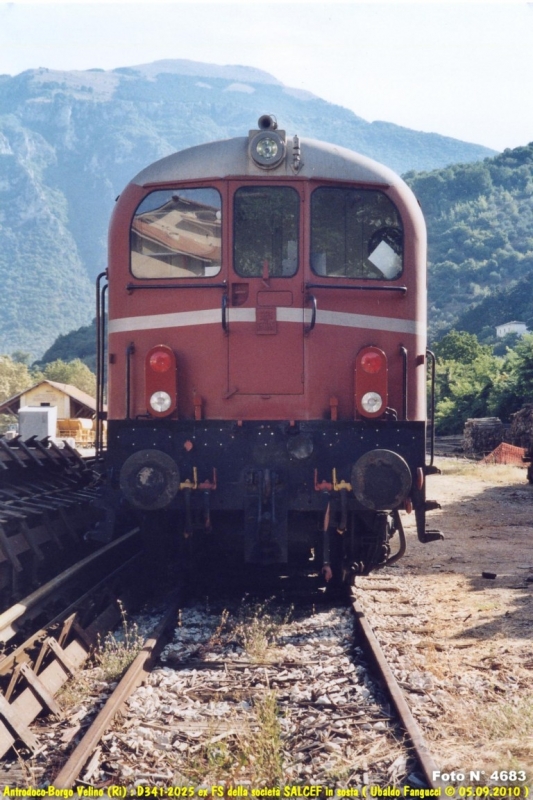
(267, 146)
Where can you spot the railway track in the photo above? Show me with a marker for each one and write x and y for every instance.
(221, 707)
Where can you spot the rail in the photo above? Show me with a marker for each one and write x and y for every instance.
(396, 695)
(133, 677)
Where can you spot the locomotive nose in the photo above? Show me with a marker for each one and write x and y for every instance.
(381, 480)
(149, 479)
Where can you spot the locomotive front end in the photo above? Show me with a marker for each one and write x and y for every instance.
(267, 351)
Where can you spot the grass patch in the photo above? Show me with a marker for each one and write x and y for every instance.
(266, 752)
(75, 691)
(258, 625)
(118, 651)
(508, 720)
(506, 742)
(251, 750)
(493, 473)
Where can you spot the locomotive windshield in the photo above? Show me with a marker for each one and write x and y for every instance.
(266, 231)
(355, 233)
(177, 234)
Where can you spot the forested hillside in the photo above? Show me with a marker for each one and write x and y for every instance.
(480, 237)
(70, 141)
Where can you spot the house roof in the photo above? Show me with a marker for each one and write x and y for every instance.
(86, 403)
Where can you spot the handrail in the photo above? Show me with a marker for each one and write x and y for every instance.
(130, 350)
(312, 324)
(402, 289)
(100, 359)
(225, 325)
(131, 287)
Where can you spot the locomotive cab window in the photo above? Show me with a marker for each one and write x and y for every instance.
(355, 233)
(177, 234)
(266, 221)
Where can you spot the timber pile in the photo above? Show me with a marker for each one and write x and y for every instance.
(482, 436)
(521, 433)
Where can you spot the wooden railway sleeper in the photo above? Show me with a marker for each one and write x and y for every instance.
(76, 456)
(30, 539)
(34, 503)
(42, 653)
(51, 644)
(17, 715)
(24, 529)
(45, 451)
(15, 675)
(38, 687)
(43, 508)
(16, 726)
(52, 531)
(61, 656)
(49, 498)
(60, 453)
(65, 630)
(32, 507)
(7, 549)
(13, 455)
(28, 451)
(68, 525)
(77, 497)
(90, 640)
(39, 503)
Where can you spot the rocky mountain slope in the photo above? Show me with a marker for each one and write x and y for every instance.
(70, 141)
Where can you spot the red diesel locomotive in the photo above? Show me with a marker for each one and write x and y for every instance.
(267, 351)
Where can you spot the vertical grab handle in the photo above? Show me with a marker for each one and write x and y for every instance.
(225, 324)
(403, 351)
(431, 356)
(312, 324)
(100, 359)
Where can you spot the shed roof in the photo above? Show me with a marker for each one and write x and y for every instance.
(86, 405)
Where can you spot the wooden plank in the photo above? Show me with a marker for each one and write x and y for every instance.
(27, 706)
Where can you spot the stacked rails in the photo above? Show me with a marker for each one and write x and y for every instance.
(46, 503)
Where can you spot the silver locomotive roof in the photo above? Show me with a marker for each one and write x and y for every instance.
(231, 157)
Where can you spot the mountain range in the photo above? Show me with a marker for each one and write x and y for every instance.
(71, 140)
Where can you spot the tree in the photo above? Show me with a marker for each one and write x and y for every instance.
(74, 372)
(515, 384)
(464, 390)
(14, 377)
(460, 346)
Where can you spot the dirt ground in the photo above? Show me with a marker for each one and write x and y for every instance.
(480, 651)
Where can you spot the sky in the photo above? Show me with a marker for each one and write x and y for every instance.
(461, 69)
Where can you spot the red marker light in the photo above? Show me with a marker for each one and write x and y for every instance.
(372, 362)
(160, 361)
(371, 382)
(160, 376)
